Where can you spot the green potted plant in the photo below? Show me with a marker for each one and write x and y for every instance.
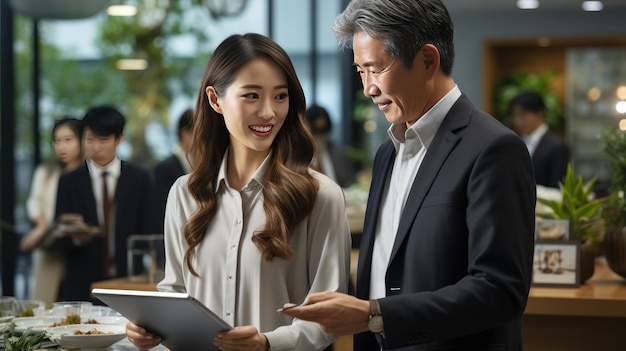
(28, 341)
(614, 214)
(583, 211)
(507, 88)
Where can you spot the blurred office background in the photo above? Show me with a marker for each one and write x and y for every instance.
(56, 66)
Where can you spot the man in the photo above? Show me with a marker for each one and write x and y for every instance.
(445, 260)
(114, 195)
(549, 152)
(167, 171)
(331, 159)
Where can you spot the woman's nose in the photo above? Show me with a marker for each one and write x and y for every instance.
(267, 109)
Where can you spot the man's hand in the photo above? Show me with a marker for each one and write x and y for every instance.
(339, 314)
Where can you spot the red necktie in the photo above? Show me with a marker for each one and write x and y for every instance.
(106, 207)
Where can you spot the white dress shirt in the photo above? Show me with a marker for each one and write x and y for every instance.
(411, 146)
(532, 140)
(235, 282)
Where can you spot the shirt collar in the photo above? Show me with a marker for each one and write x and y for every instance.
(537, 134)
(114, 167)
(423, 131)
(257, 177)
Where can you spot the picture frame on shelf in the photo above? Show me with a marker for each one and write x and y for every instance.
(552, 230)
(556, 263)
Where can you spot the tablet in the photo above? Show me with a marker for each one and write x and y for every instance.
(182, 322)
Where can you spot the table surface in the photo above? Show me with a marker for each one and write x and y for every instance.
(603, 295)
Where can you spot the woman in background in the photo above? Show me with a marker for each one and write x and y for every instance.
(253, 226)
(48, 265)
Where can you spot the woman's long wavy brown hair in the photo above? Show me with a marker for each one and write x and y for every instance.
(289, 192)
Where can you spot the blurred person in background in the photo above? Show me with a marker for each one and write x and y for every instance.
(177, 164)
(112, 195)
(330, 159)
(48, 264)
(550, 154)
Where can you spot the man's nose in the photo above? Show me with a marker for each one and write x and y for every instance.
(369, 87)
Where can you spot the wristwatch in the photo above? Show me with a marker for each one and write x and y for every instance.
(375, 323)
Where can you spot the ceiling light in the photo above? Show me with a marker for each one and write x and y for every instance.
(592, 6)
(131, 64)
(121, 10)
(527, 4)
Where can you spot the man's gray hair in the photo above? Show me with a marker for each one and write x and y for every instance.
(403, 25)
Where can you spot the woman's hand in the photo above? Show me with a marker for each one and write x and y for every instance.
(30, 241)
(139, 337)
(241, 339)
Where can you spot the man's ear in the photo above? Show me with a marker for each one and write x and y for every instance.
(214, 100)
(430, 59)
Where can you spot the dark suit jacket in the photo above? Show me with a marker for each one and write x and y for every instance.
(165, 173)
(550, 160)
(134, 214)
(343, 165)
(460, 267)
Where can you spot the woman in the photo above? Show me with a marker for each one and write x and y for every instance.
(48, 265)
(253, 226)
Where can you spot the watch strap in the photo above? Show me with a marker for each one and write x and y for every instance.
(375, 308)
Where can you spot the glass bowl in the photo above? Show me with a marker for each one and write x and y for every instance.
(68, 311)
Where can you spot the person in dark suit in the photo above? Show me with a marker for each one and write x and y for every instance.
(177, 164)
(445, 260)
(550, 154)
(330, 159)
(130, 205)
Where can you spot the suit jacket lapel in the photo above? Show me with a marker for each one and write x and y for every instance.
(86, 189)
(381, 173)
(443, 143)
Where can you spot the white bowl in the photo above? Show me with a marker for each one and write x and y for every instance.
(64, 336)
(36, 324)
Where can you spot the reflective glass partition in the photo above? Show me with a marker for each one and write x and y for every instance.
(596, 94)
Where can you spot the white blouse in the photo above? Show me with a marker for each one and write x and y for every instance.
(236, 283)
(41, 201)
